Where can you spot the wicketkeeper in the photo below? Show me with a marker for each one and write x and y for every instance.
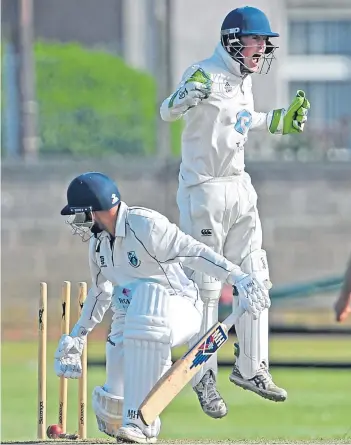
(217, 202)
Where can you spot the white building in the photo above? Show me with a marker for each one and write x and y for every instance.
(314, 48)
(314, 51)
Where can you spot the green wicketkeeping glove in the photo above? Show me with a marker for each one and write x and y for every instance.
(291, 120)
(192, 91)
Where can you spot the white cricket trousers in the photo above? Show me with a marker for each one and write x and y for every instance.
(222, 213)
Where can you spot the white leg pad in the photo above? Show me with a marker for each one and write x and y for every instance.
(256, 263)
(147, 350)
(253, 334)
(253, 343)
(114, 383)
(210, 292)
(108, 410)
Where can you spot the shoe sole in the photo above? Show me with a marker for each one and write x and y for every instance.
(216, 415)
(274, 397)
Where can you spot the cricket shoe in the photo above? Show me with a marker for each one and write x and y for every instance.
(133, 434)
(210, 400)
(262, 384)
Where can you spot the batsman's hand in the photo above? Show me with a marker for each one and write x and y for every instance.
(68, 357)
(342, 307)
(291, 120)
(252, 294)
(192, 91)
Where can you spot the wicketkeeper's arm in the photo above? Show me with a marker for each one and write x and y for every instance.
(259, 121)
(195, 86)
(293, 119)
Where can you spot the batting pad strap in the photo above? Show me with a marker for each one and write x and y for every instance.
(208, 284)
(150, 328)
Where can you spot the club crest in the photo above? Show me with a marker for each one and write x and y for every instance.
(133, 259)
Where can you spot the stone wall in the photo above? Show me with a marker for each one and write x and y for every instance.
(305, 211)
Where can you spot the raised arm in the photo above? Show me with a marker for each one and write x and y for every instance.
(195, 86)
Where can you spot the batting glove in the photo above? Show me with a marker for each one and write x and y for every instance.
(291, 120)
(253, 296)
(68, 357)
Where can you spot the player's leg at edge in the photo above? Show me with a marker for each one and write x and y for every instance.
(204, 383)
(250, 370)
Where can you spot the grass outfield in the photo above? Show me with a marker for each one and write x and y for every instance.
(318, 406)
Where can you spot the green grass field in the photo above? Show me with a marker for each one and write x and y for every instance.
(318, 407)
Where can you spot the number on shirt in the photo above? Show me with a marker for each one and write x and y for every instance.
(243, 122)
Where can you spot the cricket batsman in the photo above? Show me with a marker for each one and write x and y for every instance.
(136, 259)
(216, 200)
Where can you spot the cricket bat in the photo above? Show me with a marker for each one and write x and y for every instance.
(184, 369)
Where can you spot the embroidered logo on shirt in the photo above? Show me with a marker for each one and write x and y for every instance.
(125, 302)
(133, 259)
(228, 88)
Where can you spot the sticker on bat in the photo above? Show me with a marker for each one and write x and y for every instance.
(212, 343)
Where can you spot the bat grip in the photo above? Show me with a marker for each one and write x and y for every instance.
(233, 317)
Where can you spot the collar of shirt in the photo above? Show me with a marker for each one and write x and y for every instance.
(231, 64)
(121, 220)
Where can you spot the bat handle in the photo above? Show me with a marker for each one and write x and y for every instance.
(233, 317)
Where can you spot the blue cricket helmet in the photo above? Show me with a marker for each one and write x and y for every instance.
(91, 191)
(242, 22)
(247, 21)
